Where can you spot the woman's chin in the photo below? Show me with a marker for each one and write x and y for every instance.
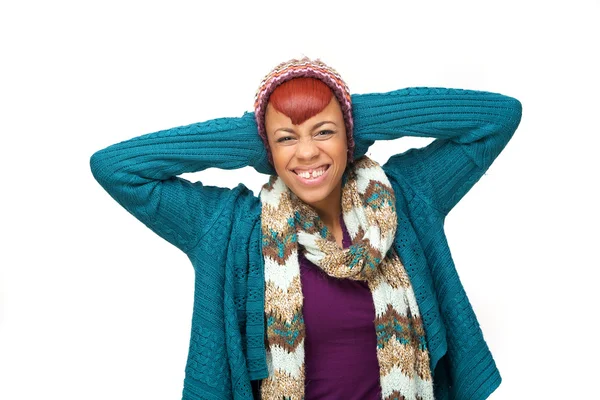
(312, 196)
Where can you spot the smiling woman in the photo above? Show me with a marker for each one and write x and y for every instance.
(333, 290)
(283, 311)
(308, 142)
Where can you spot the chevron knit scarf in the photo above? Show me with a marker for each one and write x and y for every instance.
(369, 212)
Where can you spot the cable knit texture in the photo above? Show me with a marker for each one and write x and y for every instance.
(219, 229)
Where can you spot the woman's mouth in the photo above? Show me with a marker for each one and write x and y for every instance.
(316, 177)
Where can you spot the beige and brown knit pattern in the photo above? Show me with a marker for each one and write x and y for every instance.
(289, 225)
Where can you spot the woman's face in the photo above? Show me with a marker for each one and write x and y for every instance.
(318, 141)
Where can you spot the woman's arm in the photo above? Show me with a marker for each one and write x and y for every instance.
(141, 174)
(471, 129)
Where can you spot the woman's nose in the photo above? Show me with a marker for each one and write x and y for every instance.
(306, 149)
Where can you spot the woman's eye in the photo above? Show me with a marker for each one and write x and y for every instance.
(327, 132)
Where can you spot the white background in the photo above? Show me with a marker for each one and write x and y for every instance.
(94, 305)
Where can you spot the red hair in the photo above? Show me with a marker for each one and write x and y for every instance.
(301, 98)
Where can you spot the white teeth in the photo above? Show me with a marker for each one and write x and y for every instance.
(315, 174)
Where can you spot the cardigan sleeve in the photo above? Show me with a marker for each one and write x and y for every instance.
(141, 174)
(471, 129)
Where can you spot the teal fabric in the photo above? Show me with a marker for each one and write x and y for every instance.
(219, 228)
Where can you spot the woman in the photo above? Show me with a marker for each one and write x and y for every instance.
(337, 280)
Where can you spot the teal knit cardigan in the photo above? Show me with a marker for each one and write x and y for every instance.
(219, 228)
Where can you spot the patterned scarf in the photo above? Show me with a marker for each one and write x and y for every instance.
(369, 212)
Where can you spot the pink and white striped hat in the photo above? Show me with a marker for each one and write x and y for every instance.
(303, 67)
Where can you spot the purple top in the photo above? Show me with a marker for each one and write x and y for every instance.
(341, 344)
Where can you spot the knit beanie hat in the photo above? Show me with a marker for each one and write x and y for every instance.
(303, 67)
